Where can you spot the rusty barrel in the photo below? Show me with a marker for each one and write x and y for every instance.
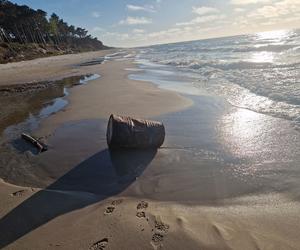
(128, 132)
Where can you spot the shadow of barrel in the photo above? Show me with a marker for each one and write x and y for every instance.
(104, 174)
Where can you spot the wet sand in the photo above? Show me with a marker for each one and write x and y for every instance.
(114, 93)
(210, 186)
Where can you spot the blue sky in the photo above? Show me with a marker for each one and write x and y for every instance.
(129, 23)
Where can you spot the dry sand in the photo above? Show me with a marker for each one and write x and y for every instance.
(33, 218)
(117, 223)
(48, 68)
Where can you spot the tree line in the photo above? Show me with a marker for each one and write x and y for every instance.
(23, 24)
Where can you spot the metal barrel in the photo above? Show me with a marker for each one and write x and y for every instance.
(128, 132)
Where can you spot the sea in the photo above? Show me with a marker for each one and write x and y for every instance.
(259, 72)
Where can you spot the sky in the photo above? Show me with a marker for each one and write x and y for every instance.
(131, 23)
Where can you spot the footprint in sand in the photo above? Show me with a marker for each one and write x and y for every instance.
(140, 207)
(99, 245)
(18, 193)
(157, 238)
(161, 230)
(160, 226)
(140, 214)
(111, 209)
(116, 202)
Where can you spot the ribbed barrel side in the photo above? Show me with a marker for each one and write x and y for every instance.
(127, 132)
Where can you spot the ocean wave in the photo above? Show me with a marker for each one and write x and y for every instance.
(243, 97)
(225, 65)
(275, 81)
(296, 123)
(259, 74)
(267, 48)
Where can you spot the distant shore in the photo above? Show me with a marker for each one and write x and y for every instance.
(16, 52)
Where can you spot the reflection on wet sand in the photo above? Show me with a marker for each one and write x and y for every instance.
(16, 108)
(245, 132)
(257, 137)
(30, 104)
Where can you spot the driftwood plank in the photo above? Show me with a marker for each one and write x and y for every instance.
(41, 146)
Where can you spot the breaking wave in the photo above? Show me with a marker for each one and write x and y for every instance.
(260, 71)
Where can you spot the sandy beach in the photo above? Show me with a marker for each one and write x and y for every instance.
(209, 187)
(49, 68)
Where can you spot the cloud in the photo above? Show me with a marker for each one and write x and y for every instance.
(205, 10)
(138, 31)
(135, 21)
(268, 11)
(239, 10)
(205, 14)
(206, 21)
(283, 9)
(95, 29)
(172, 35)
(202, 19)
(147, 8)
(246, 2)
(116, 35)
(96, 14)
(279, 14)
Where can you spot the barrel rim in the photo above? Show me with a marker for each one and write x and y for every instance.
(109, 133)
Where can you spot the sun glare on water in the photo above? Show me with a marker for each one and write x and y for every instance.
(244, 132)
(264, 39)
(273, 36)
(262, 57)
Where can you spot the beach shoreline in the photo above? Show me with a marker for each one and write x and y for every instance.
(48, 68)
(80, 195)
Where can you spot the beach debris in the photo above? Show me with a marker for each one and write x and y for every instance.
(99, 245)
(7, 90)
(109, 210)
(54, 245)
(38, 144)
(128, 132)
(18, 193)
(93, 62)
